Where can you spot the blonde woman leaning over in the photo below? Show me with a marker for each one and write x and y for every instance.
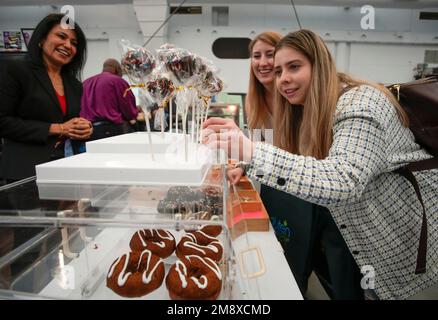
(299, 225)
(341, 154)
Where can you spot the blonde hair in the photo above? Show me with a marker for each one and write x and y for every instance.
(259, 116)
(307, 129)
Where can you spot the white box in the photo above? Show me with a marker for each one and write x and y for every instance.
(129, 168)
(136, 142)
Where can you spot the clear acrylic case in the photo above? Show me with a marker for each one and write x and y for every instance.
(75, 232)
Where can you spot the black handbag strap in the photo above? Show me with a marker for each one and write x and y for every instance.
(406, 172)
(427, 164)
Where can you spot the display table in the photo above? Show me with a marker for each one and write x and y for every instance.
(100, 219)
(277, 281)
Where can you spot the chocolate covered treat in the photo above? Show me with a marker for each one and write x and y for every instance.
(184, 193)
(160, 89)
(180, 206)
(138, 63)
(182, 64)
(168, 206)
(201, 204)
(210, 84)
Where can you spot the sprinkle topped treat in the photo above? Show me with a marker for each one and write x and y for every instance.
(138, 63)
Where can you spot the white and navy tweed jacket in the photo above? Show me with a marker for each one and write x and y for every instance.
(376, 210)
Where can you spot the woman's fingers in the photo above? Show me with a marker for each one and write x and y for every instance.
(224, 134)
(80, 132)
(234, 175)
(85, 121)
(216, 121)
(214, 137)
(78, 128)
(233, 142)
(81, 126)
(223, 131)
(235, 180)
(219, 128)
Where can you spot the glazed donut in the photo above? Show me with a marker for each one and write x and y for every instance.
(160, 242)
(135, 274)
(200, 244)
(194, 277)
(211, 230)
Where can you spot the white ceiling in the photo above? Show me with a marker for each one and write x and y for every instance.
(343, 3)
(52, 2)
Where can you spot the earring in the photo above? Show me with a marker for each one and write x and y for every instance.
(39, 44)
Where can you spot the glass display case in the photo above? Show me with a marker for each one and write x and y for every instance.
(64, 241)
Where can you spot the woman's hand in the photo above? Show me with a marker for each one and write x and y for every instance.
(234, 175)
(219, 133)
(78, 128)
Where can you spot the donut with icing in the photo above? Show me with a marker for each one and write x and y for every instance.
(201, 244)
(194, 278)
(135, 274)
(211, 230)
(158, 241)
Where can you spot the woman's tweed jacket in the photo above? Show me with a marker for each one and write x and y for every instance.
(376, 210)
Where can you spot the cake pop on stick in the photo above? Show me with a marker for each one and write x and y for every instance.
(182, 66)
(138, 63)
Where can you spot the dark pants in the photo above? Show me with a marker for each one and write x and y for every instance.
(312, 242)
(105, 129)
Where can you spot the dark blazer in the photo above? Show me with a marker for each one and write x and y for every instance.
(28, 105)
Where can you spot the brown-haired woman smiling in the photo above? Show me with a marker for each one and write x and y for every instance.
(259, 103)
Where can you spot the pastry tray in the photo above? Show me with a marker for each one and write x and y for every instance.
(78, 270)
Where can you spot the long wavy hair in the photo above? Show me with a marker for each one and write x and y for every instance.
(34, 54)
(307, 130)
(259, 116)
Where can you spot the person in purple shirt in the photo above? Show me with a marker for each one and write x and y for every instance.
(104, 104)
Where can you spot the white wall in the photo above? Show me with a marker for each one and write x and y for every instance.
(98, 52)
(379, 55)
(386, 63)
(103, 25)
(386, 54)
